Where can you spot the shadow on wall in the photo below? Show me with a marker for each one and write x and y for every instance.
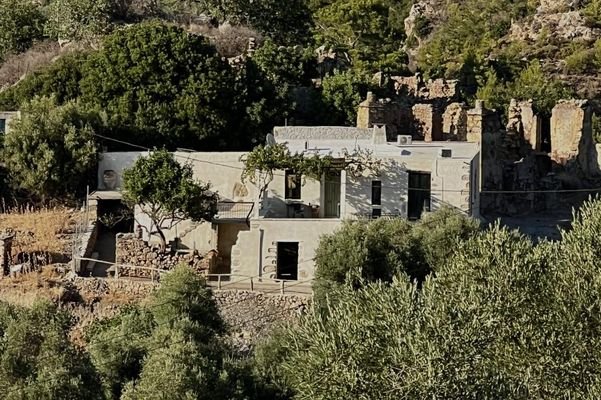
(394, 178)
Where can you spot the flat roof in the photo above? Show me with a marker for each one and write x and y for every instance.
(416, 150)
(105, 195)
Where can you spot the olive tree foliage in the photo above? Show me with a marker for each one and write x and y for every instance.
(167, 192)
(364, 251)
(77, 19)
(161, 85)
(502, 318)
(50, 150)
(21, 23)
(37, 358)
(171, 347)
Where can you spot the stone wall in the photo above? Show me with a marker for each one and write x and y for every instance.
(454, 122)
(427, 122)
(481, 121)
(133, 251)
(6, 240)
(380, 112)
(572, 135)
(415, 87)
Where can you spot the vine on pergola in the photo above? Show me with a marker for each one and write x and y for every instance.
(261, 163)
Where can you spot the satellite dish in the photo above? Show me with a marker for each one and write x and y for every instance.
(270, 140)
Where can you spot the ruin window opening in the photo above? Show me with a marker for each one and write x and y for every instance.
(293, 182)
(2, 126)
(545, 134)
(287, 261)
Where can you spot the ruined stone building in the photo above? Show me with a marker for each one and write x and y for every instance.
(529, 153)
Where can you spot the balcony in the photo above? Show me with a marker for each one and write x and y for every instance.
(234, 211)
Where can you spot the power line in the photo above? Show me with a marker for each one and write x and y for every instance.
(435, 190)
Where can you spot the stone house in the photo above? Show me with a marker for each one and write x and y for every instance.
(274, 234)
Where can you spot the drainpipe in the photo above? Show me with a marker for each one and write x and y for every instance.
(261, 237)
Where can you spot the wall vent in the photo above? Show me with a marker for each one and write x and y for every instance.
(445, 153)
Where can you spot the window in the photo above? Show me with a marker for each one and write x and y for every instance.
(287, 261)
(376, 193)
(293, 185)
(376, 213)
(2, 126)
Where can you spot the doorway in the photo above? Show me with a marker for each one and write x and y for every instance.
(287, 266)
(419, 194)
(227, 236)
(332, 194)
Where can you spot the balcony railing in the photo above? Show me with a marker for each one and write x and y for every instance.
(232, 210)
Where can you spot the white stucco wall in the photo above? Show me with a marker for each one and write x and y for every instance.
(118, 162)
(255, 252)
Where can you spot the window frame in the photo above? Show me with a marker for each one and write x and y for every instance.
(289, 192)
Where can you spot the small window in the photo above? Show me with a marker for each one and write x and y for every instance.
(2, 126)
(376, 193)
(293, 185)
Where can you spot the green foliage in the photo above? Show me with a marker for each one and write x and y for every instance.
(171, 348)
(60, 80)
(261, 163)
(472, 26)
(37, 359)
(167, 192)
(342, 93)
(162, 85)
(367, 251)
(184, 292)
(503, 318)
(50, 150)
(596, 122)
(21, 23)
(371, 31)
(592, 13)
(77, 19)
(533, 83)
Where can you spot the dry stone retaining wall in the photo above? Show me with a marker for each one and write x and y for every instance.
(136, 252)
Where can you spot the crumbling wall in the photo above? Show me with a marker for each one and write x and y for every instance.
(454, 122)
(481, 121)
(532, 125)
(572, 135)
(416, 87)
(427, 122)
(383, 112)
(133, 251)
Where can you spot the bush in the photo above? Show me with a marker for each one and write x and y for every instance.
(50, 150)
(370, 251)
(503, 318)
(21, 24)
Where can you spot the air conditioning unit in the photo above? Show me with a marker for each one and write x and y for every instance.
(445, 153)
(403, 140)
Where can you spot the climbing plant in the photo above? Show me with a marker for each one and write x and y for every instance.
(261, 163)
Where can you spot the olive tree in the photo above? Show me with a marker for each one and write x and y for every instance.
(50, 150)
(502, 318)
(167, 192)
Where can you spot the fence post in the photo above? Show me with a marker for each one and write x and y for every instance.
(152, 275)
(252, 285)
(281, 287)
(219, 282)
(116, 271)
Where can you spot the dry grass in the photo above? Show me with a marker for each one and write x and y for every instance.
(40, 230)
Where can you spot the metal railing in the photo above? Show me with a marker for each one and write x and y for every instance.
(217, 281)
(254, 282)
(234, 210)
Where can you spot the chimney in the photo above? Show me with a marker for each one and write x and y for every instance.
(378, 135)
